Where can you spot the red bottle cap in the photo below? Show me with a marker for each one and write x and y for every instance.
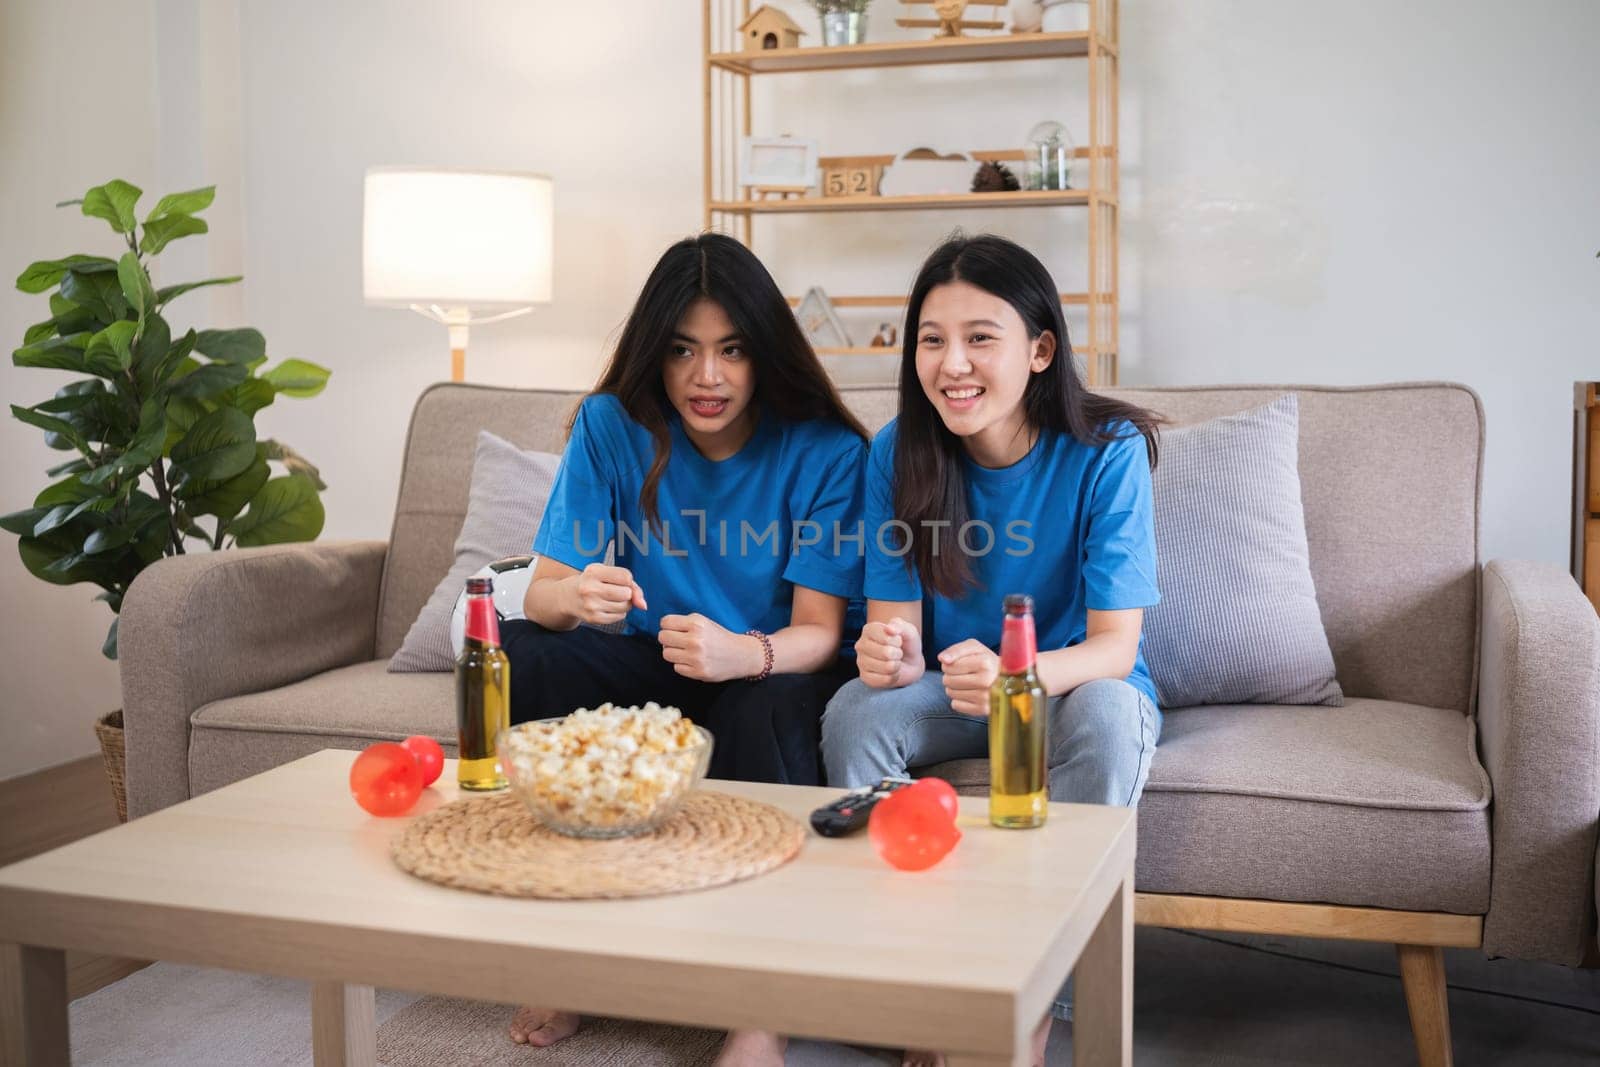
(1018, 644)
(483, 622)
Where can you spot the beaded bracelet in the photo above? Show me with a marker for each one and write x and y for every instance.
(766, 653)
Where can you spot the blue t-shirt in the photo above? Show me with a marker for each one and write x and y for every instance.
(736, 534)
(1069, 524)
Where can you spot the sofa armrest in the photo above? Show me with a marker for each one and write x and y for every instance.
(1539, 729)
(202, 627)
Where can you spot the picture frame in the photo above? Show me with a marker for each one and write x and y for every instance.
(778, 164)
(820, 322)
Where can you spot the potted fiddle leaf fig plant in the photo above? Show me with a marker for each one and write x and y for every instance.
(158, 432)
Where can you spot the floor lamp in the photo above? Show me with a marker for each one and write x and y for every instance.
(451, 243)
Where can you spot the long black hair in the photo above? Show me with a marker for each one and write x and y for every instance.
(929, 480)
(790, 383)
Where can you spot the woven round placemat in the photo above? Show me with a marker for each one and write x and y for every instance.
(493, 845)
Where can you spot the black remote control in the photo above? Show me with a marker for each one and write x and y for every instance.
(850, 812)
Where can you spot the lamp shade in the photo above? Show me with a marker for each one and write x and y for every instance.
(457, 238)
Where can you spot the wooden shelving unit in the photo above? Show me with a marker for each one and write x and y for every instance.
(727, 116)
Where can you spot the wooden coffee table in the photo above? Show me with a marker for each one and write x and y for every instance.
(283, 874)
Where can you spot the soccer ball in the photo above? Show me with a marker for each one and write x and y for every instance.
(511, 577)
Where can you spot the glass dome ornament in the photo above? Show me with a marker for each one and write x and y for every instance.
(1049, 157)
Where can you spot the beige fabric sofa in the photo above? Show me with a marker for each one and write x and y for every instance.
(1452, 801)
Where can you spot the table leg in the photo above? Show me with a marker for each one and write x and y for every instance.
(1102, 1010)
(344, 1027)
(33, 1007)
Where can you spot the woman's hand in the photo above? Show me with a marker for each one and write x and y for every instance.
(600, 595)
(970, 668)
(700, 649)
(889, 654)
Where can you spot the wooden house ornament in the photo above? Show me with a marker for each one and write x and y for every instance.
(767, 28)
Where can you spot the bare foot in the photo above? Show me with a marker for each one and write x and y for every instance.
(752, 1048)
(541, 1027)
(919, 1058)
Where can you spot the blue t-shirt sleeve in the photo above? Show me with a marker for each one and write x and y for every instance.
(579, 520)
(827, 557)
(1119, 566)
(887, 575)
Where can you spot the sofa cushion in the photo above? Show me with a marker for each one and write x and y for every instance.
(1390, 478)
(1376, 803)
(350, 707)
(1238, 620)
(509, 490)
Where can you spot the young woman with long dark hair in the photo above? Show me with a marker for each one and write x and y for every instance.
(716, 460)
(1002, 474)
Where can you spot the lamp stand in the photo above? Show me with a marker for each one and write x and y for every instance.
(457, 320)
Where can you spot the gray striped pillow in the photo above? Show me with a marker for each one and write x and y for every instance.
(509, 490)
(1238, 621)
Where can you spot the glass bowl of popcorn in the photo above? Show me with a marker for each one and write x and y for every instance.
(606, 771)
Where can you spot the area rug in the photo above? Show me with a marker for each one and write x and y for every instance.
(446, 1030)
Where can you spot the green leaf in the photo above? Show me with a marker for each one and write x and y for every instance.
(182, 414)
(182, 203)
(296, 377)
(111, 350)
(109, 649)
(217, 447)
(231, 346)
(106, 538)
(172, 292)
(66, 491)
(58, 353)
(135, 285)
(22, 522)
(52, 424)
(150, 438)
(150, 349)
(98, 292)
(209, 380)
(227, 498)
(294, 462)
(249, 396)
(154, 374)
(72, 466)
(113, 202)
(286, 509)
(162, 232)
(42, 275)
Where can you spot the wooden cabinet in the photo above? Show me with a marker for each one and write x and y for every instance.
(1586, 489)
(851, 183)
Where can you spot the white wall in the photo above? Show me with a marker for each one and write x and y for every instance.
(1341, 193)
(76, 109)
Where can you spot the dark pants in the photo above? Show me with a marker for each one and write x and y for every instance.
(767, 731)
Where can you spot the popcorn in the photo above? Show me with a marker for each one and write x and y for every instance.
(605, 769)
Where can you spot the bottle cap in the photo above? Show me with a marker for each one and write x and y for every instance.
(480, 586)
(1017, 603)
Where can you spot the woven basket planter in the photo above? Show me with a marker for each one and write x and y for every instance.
(108, 729)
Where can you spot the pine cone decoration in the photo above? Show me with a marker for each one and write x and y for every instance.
(995, 178)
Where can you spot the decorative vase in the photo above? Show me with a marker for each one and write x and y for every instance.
(844, 27)
(1027, 16)
(1065, 16)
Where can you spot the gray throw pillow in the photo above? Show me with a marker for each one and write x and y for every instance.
(1238, 621)
(509, 490)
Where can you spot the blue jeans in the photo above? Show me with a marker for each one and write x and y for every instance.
(1101, 737)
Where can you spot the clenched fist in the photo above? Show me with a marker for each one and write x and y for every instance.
(700, 649)
(970, 668)
(889, 654)
(602, 595)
